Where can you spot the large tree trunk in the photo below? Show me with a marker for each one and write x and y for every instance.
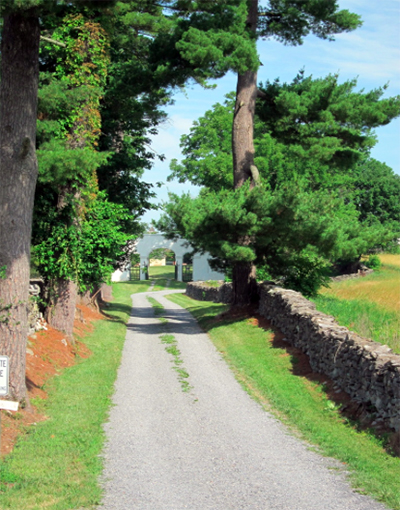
(61, 312)
(18, 174)
(244, 284)
(244, 275)
(63, 292)
(242, 132)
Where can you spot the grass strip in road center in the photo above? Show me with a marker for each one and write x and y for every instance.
(173, 350)
(266, 372)
(172, 347)
(157, 307)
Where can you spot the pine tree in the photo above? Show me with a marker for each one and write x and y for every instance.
(312, 138)
(18, 172)
(288, 21)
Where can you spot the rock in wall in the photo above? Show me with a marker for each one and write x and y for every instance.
(203, 292)
(369, 372)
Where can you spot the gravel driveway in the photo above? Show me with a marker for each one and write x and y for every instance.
(212, 447)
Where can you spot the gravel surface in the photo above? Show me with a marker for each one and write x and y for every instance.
(210, 448)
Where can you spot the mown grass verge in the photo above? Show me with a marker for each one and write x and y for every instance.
(56, 464)
(266, 373)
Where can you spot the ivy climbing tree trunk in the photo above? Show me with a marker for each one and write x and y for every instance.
(85, 67)
(61, 313)
(18, 174)
(244, 169)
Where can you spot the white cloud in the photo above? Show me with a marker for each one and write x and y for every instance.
(181, 124)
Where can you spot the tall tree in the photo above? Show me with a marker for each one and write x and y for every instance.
(314, 130)
(312, 205)
(289, 21)
(18, 173)
(68, 158)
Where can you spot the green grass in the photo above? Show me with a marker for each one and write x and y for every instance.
(171, 347)
(365, 318)
(56, 465)
(369, 306)
(212, 283)
(174, 284)
(158, 307)
(163, 274)
(266, 372)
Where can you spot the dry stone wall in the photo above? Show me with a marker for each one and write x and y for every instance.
(203, 292)
(369, 372)
(351, 276)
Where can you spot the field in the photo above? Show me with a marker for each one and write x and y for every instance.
(368, 305)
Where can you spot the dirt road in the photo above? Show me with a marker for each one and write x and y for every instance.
(211, 447)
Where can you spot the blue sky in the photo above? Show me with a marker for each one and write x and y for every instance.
(371, 54)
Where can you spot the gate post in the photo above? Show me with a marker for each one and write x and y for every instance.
(178, 268)
(144, 268)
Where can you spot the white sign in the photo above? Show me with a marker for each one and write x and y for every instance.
(8, 405)
(4, 374)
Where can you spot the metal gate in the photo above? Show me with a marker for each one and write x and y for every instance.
(187, 272)
(135, 273)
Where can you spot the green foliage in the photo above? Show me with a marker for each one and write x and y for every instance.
(217, 39)
(78, 233)
(158, 254)
(59, 165)
(314, 206)
(207, 149)
(69, 101)
(373, 262)
(289, 22)
(294, 234)
(312, 131)
(84, 252)
(135, 259)
(376, 189)
(325, 127)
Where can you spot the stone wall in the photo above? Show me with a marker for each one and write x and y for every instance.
(203, 292)
(35, 316)
(369, 372)
(351, 276)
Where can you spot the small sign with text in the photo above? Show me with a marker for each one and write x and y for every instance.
(4, 374)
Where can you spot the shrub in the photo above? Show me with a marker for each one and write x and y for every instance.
(373, 262)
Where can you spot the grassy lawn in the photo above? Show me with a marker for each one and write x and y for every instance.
(368, 305)
(266, 372)
(56, 464)
(161, 275)
(162, 272)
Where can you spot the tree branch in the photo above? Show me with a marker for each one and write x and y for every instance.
(53, 41)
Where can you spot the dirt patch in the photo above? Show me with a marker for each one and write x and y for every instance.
(48, 353)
